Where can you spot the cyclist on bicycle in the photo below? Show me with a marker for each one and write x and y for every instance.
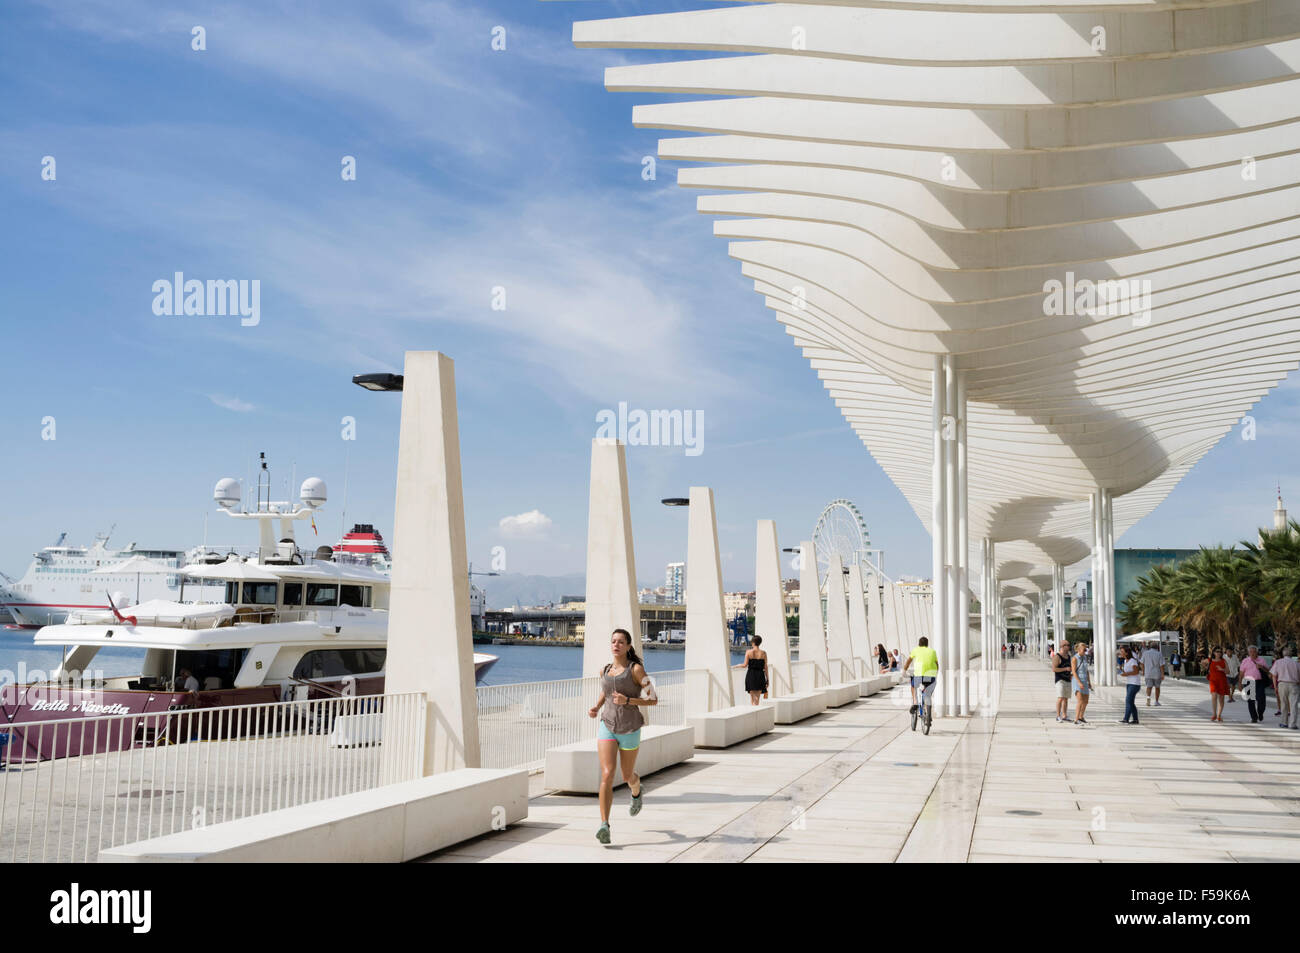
(927, 669)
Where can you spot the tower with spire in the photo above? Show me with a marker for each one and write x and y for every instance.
(1279, 511)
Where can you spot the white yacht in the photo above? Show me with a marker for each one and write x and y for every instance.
(285, 626)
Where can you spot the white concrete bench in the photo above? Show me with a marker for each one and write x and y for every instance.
(576, 767)
(789, 709)
(876, 683)
(389, 824)
(729, 726)
(841, 693)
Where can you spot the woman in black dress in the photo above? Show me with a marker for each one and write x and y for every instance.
(756, 671)
(882, 659)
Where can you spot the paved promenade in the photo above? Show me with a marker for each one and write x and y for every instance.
(855, 784)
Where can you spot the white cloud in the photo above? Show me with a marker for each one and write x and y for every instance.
(231, 403)
(532, 523)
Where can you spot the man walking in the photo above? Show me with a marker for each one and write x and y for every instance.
(1255, 689)
(1153, 670)
(1234, 672)
(1286, 682)
(1061, 680)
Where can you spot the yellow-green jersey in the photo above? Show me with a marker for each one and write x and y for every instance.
(925, 660)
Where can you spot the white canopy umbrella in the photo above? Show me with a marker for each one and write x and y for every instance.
(140, 565)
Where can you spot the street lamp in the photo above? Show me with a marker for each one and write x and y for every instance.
(386, 382)
(676, 501)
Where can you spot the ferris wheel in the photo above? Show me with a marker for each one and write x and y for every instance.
(841, 531)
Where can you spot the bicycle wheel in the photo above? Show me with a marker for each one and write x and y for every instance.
(926, 727)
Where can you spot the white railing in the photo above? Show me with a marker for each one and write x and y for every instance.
(841, 670)
(518, 723)
(806, 676)
(71, 788)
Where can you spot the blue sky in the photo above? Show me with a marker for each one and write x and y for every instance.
(476, 169)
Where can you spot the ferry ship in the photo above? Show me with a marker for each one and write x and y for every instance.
(365, 545)
(59, 580)
(286, 626)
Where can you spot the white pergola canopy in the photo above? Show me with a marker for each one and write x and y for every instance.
(903, 180)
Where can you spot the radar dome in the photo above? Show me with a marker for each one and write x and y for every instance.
(313, 492)
(227, 493)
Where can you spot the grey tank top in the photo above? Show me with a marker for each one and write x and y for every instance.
(620, 719)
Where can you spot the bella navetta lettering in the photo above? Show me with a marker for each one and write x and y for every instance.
(85, 707)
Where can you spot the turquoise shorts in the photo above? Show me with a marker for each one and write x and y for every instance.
(627, 741)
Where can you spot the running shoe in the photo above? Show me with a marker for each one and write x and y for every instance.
(602, 835)
(635, 807)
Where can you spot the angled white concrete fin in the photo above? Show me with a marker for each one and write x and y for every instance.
(839, 643)
(611, 561)
(876, 629)
(859, 628)
(706, 627)
(769, 608)
(430, 636)
(812, 626)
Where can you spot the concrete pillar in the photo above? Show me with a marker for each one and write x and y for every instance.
(706, 627)
(839, 643)
(611, 564)
(769, 609)
(812, 627)
(859, 627)
(430, 638)
(892, 618)
(962, 568)
(1108, 554)
(876, 629)
(938, 521)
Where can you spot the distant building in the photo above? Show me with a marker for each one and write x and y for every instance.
(675, 583)
(737, 603)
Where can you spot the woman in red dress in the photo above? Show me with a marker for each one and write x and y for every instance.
(1218, 684)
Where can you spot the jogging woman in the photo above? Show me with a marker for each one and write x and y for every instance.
(756, 671)
(618, 736)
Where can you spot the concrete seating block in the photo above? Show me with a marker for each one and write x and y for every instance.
(874, 684)
(576, 767)
(389, 824)
(789, 709)
(729, 726)
(841, 693)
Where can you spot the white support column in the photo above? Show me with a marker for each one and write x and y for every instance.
(962, 568)
(859, 627)
(839, 642)
(611, 564)
(1108, 553)
(939, 522)
(430, 637)
(769, 609)
(812, 625)
(1098, 597)
(706, 626)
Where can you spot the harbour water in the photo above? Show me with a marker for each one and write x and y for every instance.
(518, 663)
